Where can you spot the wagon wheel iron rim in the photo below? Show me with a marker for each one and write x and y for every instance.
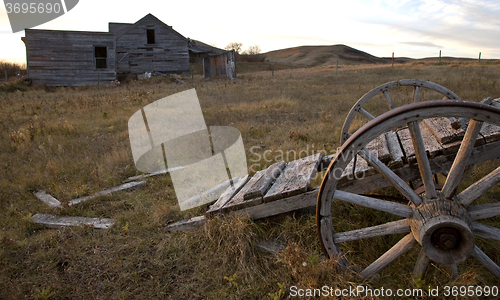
(450, 241)
(384, 90)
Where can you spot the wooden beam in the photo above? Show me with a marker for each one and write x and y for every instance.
(52, 221)
(186, 225)
(126, 186)
(48, 199)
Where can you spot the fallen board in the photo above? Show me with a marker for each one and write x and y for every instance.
(126, 186)
(52, 221)
(48, 199)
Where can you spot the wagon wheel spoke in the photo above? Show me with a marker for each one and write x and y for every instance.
(421, 265)
(389, 100)
(395, 227)
(475, 191)
(422, 160)
(366, 114)
(397, 209)
(390, 176)
(416, 93)
(485, 231)
(486, 261)
(397, 250)
(484, 211)
(460, 162)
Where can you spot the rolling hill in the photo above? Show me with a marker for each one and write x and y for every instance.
(310, 56)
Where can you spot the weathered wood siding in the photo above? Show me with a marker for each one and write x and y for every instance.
(169, 53)
(220, 65)
(66, 58)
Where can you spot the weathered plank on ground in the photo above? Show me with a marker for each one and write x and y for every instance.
(126, 186)
(264, 176)
(443, 130)
(161, 172)
(261, 186)
(295, 178)
(227, 195)
(52, 221)
(188, 224)
(48, 199)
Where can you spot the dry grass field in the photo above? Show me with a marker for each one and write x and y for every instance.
(73, 142)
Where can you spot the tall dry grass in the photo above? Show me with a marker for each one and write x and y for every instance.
(73, 142)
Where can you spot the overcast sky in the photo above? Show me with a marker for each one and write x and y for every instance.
(460, 28)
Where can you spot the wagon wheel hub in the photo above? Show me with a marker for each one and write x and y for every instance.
(442, 227)
(446, 238)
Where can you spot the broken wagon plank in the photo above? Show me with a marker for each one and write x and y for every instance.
(227, 195)
(490, 132)
(362, 168)
(443, 130)
(395, 150)
(239, 201)
(280, 206)
(432, 146)
(261, 186)
(126, 186)
(52, 221)
(48, 199)
(295, 178)
(379, 148)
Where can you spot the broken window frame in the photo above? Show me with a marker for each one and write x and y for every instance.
(150, 36)
(100, 57)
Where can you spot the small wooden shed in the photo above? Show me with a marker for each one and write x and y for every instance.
(77, 58)
(216, 62)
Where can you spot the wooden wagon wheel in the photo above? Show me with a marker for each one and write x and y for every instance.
(442, 222)
(383, 89)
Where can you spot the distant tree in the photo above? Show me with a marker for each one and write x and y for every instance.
(253, 50)
(234, 46)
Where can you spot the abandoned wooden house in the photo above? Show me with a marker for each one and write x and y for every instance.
(77, 58)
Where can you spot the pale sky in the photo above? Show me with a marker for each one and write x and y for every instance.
(417, 29)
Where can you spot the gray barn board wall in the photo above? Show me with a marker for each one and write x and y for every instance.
(67, 57)
(168, 54)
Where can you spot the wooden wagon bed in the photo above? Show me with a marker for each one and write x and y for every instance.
(285, 187)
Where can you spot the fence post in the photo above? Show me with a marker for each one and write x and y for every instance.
(272, 67)
(439, 56)
(337, 68)
(6, 77)
(392, 59)
(479, 57)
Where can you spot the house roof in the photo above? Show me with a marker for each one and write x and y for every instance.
(124, 29)
(200, 47)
